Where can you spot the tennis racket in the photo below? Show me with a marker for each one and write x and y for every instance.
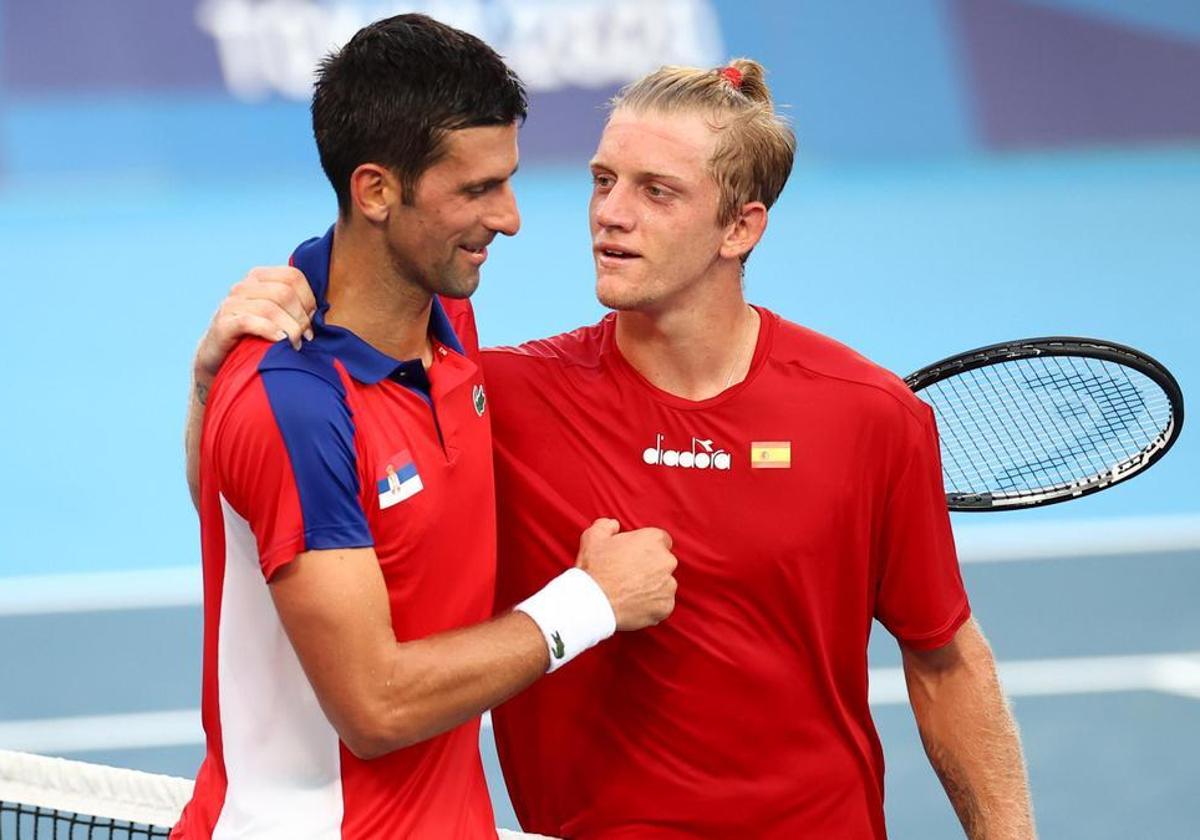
(1046, 420)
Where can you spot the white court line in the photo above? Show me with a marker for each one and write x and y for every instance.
(1176, 674)
(977, 543)
(103, 732)
(1169, 673)
(130, 590)
(89, 733)
(988, 542)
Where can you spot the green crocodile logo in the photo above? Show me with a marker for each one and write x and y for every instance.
(559, 648)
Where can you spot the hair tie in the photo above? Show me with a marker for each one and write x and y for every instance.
(734, 76)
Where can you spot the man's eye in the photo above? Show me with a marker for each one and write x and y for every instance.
(602, 181)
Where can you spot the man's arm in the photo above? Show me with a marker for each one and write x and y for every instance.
(381, 695)
(271, 303)
(970, 735)
(197, 400)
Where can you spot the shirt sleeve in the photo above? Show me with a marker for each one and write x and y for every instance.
(287, 464)
(920, 597)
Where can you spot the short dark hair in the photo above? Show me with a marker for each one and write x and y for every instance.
(393, 92)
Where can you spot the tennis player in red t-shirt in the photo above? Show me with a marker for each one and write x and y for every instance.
(801, 484)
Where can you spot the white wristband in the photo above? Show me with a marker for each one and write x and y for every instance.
(573, 614)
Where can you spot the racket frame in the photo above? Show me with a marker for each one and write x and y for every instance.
(1076, 346)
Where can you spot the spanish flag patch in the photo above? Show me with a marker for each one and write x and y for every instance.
(771, 454)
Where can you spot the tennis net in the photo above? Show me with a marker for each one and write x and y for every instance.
(58, 799)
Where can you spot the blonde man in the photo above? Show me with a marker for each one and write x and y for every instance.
(803, 489)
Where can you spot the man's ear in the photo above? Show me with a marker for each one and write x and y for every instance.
(374, 191)
(744, 232)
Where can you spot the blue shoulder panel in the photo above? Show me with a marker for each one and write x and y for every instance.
(308, 400)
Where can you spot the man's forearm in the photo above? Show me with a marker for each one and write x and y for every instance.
(197, 399)
(381, 695)
(970, 737)
(442, 681)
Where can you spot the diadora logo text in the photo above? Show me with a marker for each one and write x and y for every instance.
(701, 456)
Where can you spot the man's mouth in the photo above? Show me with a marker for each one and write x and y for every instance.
(616, 253)
(475, 255)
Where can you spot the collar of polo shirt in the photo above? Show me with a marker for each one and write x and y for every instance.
(362, 361)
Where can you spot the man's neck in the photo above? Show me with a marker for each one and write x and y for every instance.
(694, 350)
(368, 298)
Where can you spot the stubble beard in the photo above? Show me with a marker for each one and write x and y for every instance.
(458, 286)
(447, 279)
(626, 295)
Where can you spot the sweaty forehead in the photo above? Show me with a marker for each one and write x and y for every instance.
(648, 139)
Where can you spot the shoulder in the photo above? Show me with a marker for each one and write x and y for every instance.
(265, 386)
(860, 382)
(580, 348)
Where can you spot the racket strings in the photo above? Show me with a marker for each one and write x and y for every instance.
(986, 389)
(1007, 474)
(1121, 405)
(1026, 425)
(1013, 421)
(1091, 437)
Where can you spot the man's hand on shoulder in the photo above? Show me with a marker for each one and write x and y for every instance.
(272, 303)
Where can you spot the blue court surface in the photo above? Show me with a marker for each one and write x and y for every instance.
(1090, 605)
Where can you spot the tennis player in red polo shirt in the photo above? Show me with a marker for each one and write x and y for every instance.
(345, 485)
(803, 489)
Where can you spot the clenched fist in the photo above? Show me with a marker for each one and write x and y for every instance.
(635, 569)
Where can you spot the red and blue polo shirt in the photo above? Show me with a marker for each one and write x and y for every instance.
(339, 446)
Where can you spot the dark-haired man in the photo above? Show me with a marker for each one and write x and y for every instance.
(345, 485)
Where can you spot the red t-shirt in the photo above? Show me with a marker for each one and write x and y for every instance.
(803, 502)
(339, 446)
